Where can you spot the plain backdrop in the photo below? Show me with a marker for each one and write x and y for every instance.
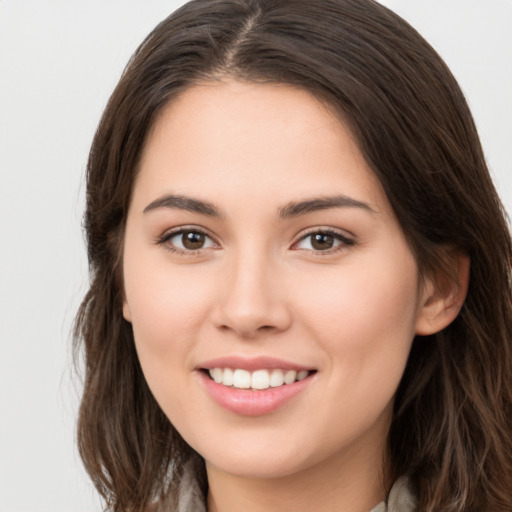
(59, 61)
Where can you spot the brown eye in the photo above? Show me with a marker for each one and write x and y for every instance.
(192, 240)
(186, 240)
(322, 241)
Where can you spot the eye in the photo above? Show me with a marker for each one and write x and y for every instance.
(323, 241)
(187, 240)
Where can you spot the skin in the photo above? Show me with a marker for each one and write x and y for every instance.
(258, 287)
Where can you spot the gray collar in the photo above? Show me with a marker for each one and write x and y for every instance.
(400, 498)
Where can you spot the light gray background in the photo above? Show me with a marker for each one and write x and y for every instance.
(59, 61)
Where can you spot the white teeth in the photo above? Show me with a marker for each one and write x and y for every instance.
(217, 375)
(302, 375)
(259, 379)
(276, 378)
(290, 376)
(227, 379)
(241, 379)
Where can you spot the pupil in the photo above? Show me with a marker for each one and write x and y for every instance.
(322, 241)
(193, 240)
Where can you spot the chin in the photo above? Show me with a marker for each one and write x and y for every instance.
(257, 465)
(260, 456)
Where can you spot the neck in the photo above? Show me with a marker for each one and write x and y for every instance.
(354, 485)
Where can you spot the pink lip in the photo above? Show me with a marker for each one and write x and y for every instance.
(252, 364)
(247, 402)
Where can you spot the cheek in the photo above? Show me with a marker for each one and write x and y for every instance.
(364, 322)
(364, 313)
(167, 312)
(167, 306)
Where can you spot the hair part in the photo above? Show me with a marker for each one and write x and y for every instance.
(453, 409)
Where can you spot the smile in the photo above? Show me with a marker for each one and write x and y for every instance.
(254, 386)
(256, 380)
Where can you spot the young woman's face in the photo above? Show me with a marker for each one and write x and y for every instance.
(260, 248)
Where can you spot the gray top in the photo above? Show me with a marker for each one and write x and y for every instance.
(191, 498)
(400, 499)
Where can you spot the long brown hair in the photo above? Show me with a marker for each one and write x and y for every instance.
(452, 426)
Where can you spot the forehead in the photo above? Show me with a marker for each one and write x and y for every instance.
(257, 138)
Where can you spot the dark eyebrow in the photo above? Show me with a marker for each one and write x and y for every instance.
(295, 209)
(292, 209)
(183, 203)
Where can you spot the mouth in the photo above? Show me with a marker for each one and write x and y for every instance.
(257, 380)
(254, 386)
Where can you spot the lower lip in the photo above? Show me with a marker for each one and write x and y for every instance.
(247, 402)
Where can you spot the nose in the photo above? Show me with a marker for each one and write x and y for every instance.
(253, 299)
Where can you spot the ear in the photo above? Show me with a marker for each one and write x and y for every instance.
(443, 295)
(126, 309)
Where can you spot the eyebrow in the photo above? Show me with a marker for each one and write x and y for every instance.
(183, 203)
(292, 209)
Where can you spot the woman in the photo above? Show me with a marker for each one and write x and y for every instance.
(300, 293)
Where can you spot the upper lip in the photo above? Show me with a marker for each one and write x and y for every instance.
(252, 363)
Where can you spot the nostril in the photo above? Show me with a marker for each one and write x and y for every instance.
(248, 331)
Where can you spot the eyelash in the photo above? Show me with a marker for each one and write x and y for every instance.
(166, 237)
(343, 239)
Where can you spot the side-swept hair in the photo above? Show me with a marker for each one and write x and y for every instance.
(452, 425)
